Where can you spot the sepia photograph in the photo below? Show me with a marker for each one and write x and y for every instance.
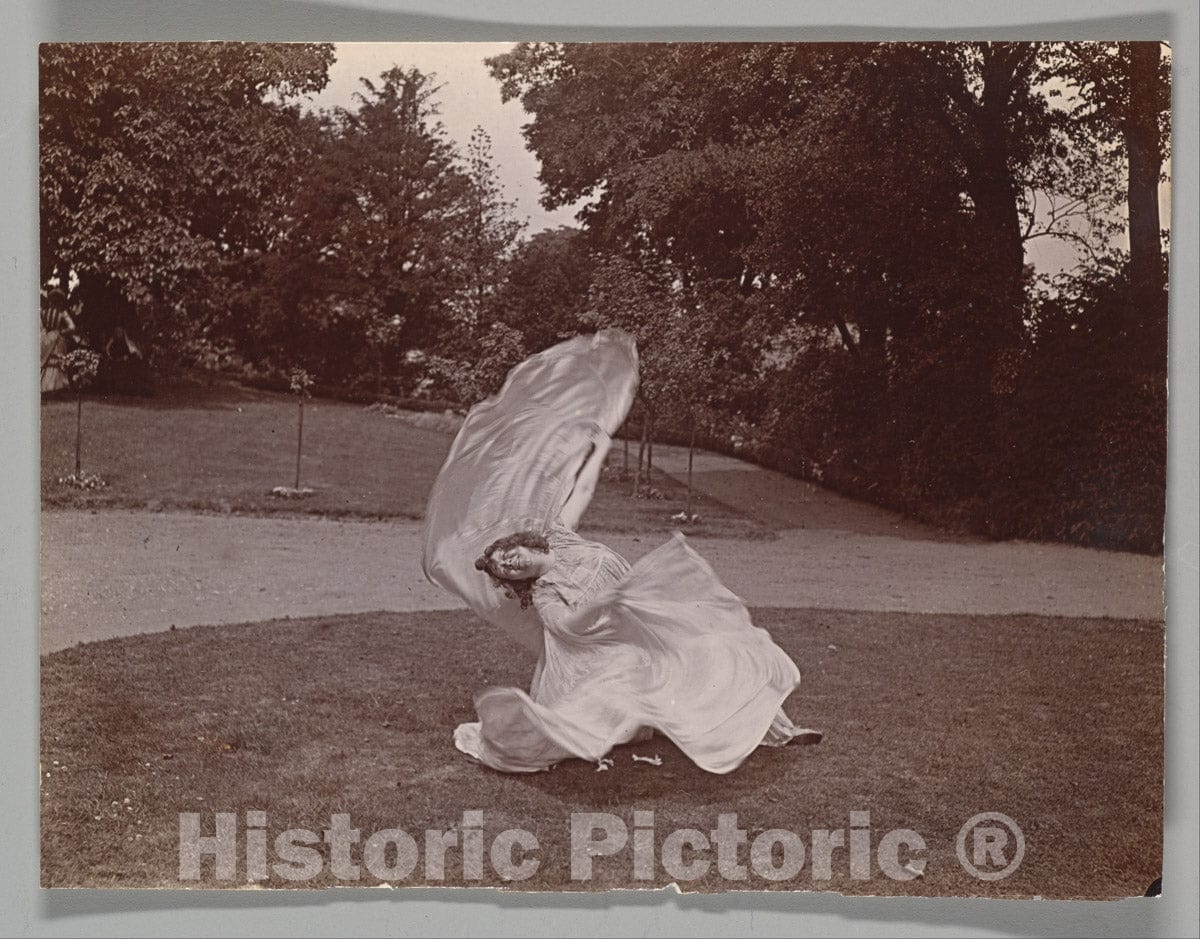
(574, 466)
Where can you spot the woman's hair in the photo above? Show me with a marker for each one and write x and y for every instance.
(516, 589)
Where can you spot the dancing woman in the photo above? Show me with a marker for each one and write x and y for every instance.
(623, 651)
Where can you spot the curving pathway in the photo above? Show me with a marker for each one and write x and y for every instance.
(117, 572)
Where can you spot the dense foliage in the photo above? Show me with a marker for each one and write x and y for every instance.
(820, 247)
(856, 217)
(162, 166)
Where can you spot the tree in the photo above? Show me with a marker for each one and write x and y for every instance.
(161, 164)
(301, 385)
(867, 205)
(365, 265)
(80, 366)
(470, 375)
(545, 290)
(485, 236)
(673, 145)
(623, 124)
(683, 367)
(1144, 122)
(1120, 106)
(643, 131)
(473, 358)
(694, 365)
(983, 95)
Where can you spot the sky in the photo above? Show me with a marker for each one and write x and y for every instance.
(469, 97)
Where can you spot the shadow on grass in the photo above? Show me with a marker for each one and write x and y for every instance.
(185, 391)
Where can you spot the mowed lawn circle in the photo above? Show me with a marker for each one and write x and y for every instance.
(929, 720)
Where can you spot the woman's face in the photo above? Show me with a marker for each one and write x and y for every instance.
(519, 563)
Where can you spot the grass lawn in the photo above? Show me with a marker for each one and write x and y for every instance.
(220, 447)
(929, 720)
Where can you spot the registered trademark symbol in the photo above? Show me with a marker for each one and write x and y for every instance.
(990, 846)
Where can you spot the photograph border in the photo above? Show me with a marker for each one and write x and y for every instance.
(32, 911)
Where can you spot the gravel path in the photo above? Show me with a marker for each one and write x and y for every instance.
(115, 573)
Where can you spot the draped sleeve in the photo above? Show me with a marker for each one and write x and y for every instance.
(525, 459)
(582, 570)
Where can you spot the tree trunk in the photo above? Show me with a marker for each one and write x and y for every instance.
(103, 308)
(78, 436)
(847, 338)
(1146, 315)
(1001, 302)
(872, 343)
(691, 452)
(299, 441)
(1002, 298)
(650, 453)
(637, 475)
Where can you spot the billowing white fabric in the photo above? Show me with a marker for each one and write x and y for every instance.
(524, 458)
(622, 651)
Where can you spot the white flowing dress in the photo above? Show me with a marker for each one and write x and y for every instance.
(622, 650)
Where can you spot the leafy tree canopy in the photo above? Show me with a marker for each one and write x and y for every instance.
(158, 159)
